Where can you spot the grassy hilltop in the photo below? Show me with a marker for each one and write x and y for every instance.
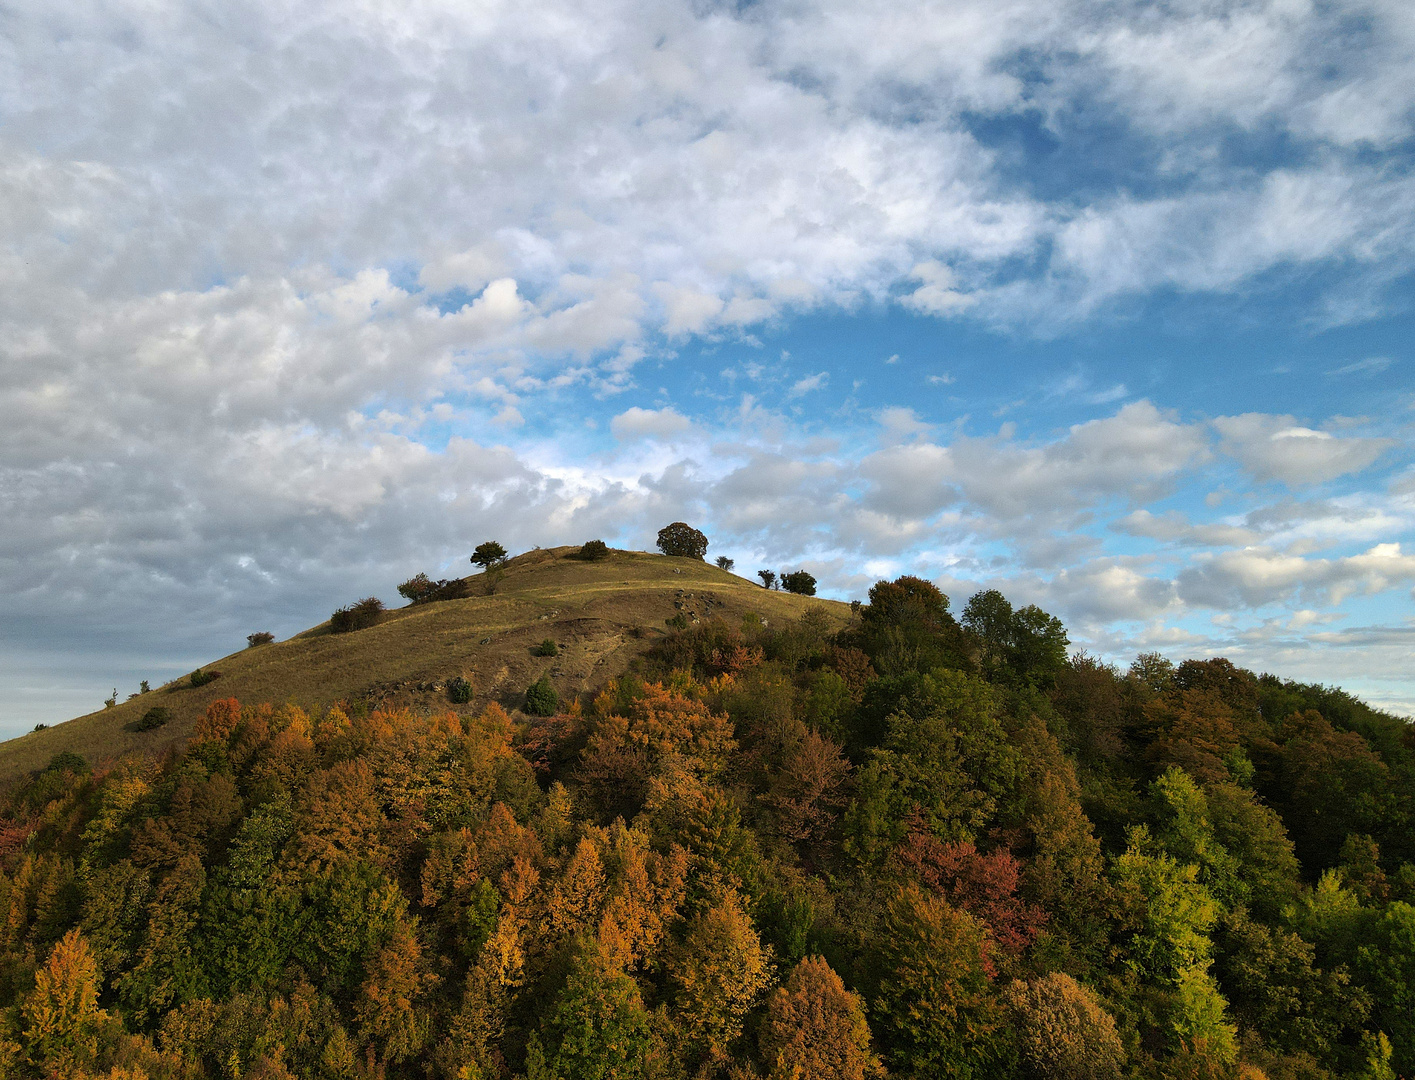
(601, 614)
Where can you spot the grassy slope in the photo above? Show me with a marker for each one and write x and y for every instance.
(589, 609)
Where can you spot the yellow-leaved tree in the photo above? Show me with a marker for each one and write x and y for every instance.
(62, 1019)
(815, 1029)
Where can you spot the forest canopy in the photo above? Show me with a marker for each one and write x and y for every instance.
(922, 846)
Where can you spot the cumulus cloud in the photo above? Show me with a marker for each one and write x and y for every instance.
(280, 287)
(637, 423)
(1256, 576)
(1279, 448)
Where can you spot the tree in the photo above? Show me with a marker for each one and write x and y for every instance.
(1019, 646)
(1062, 1031)
(541, 698)
(682, 540)
(934, 1006)
(718, 973)
(768, 578)
(594, 550)
(726, 563)
(62, 1017)
(816, 1028)
(799, 582)
(599, 1029)
(489, 555)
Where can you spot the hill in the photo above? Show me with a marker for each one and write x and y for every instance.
(601, 614)
(813, 843)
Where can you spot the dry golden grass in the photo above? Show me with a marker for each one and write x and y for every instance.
(591, 609)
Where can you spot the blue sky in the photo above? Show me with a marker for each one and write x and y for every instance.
(1107, 306)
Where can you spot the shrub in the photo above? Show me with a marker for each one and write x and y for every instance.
(547, 648)
(682, 540)
(768, 578)
(459, 691)
(678, 622)
(263, 637)
(541, 698)
(799, 582)
(41, 727)
(726, 563)
(365, 613)
(423, 590)
(111, 700)
(153, 718)
(201, 678)
(144, 688)
(594, 550)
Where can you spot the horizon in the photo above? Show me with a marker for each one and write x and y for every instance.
(1106, 309)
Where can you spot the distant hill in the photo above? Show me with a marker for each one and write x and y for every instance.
(601, 614)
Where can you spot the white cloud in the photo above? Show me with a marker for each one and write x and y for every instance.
(1371, 365)
(637, 423)
(1257, 576)
(225, 379)
(808, 384)
(1279, 448)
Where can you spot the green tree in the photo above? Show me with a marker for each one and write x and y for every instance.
(945, 761)
(1385, 964)
(541, 697)
(489, 555)
(907, 627)
(682, 540)
(598, 1028)
(1169, 915)
(934, 1008)
(799, 582)
(1018, 647)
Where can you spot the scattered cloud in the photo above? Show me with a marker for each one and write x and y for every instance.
(809, 384)
(637, 423)
(1279, 448)
(1372, 365)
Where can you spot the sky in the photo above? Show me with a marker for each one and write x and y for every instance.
(1106, 305)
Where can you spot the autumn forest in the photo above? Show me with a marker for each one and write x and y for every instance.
(932, 844)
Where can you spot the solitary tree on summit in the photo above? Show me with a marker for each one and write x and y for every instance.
(488, 555)
(683, 540)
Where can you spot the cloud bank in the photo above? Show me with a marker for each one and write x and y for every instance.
(295, 300)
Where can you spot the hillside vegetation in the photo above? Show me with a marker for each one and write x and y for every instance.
(594, 610)
(900, 842)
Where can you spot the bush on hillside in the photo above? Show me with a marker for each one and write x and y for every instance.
(201, 678)
(260, 637)
(594, 550)
(541, 698)
(799, 582)
(421, 589)
(459, 691)
(367, 612)
(546, 648)
(682, 540)
(726, 563)
(153, 718)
